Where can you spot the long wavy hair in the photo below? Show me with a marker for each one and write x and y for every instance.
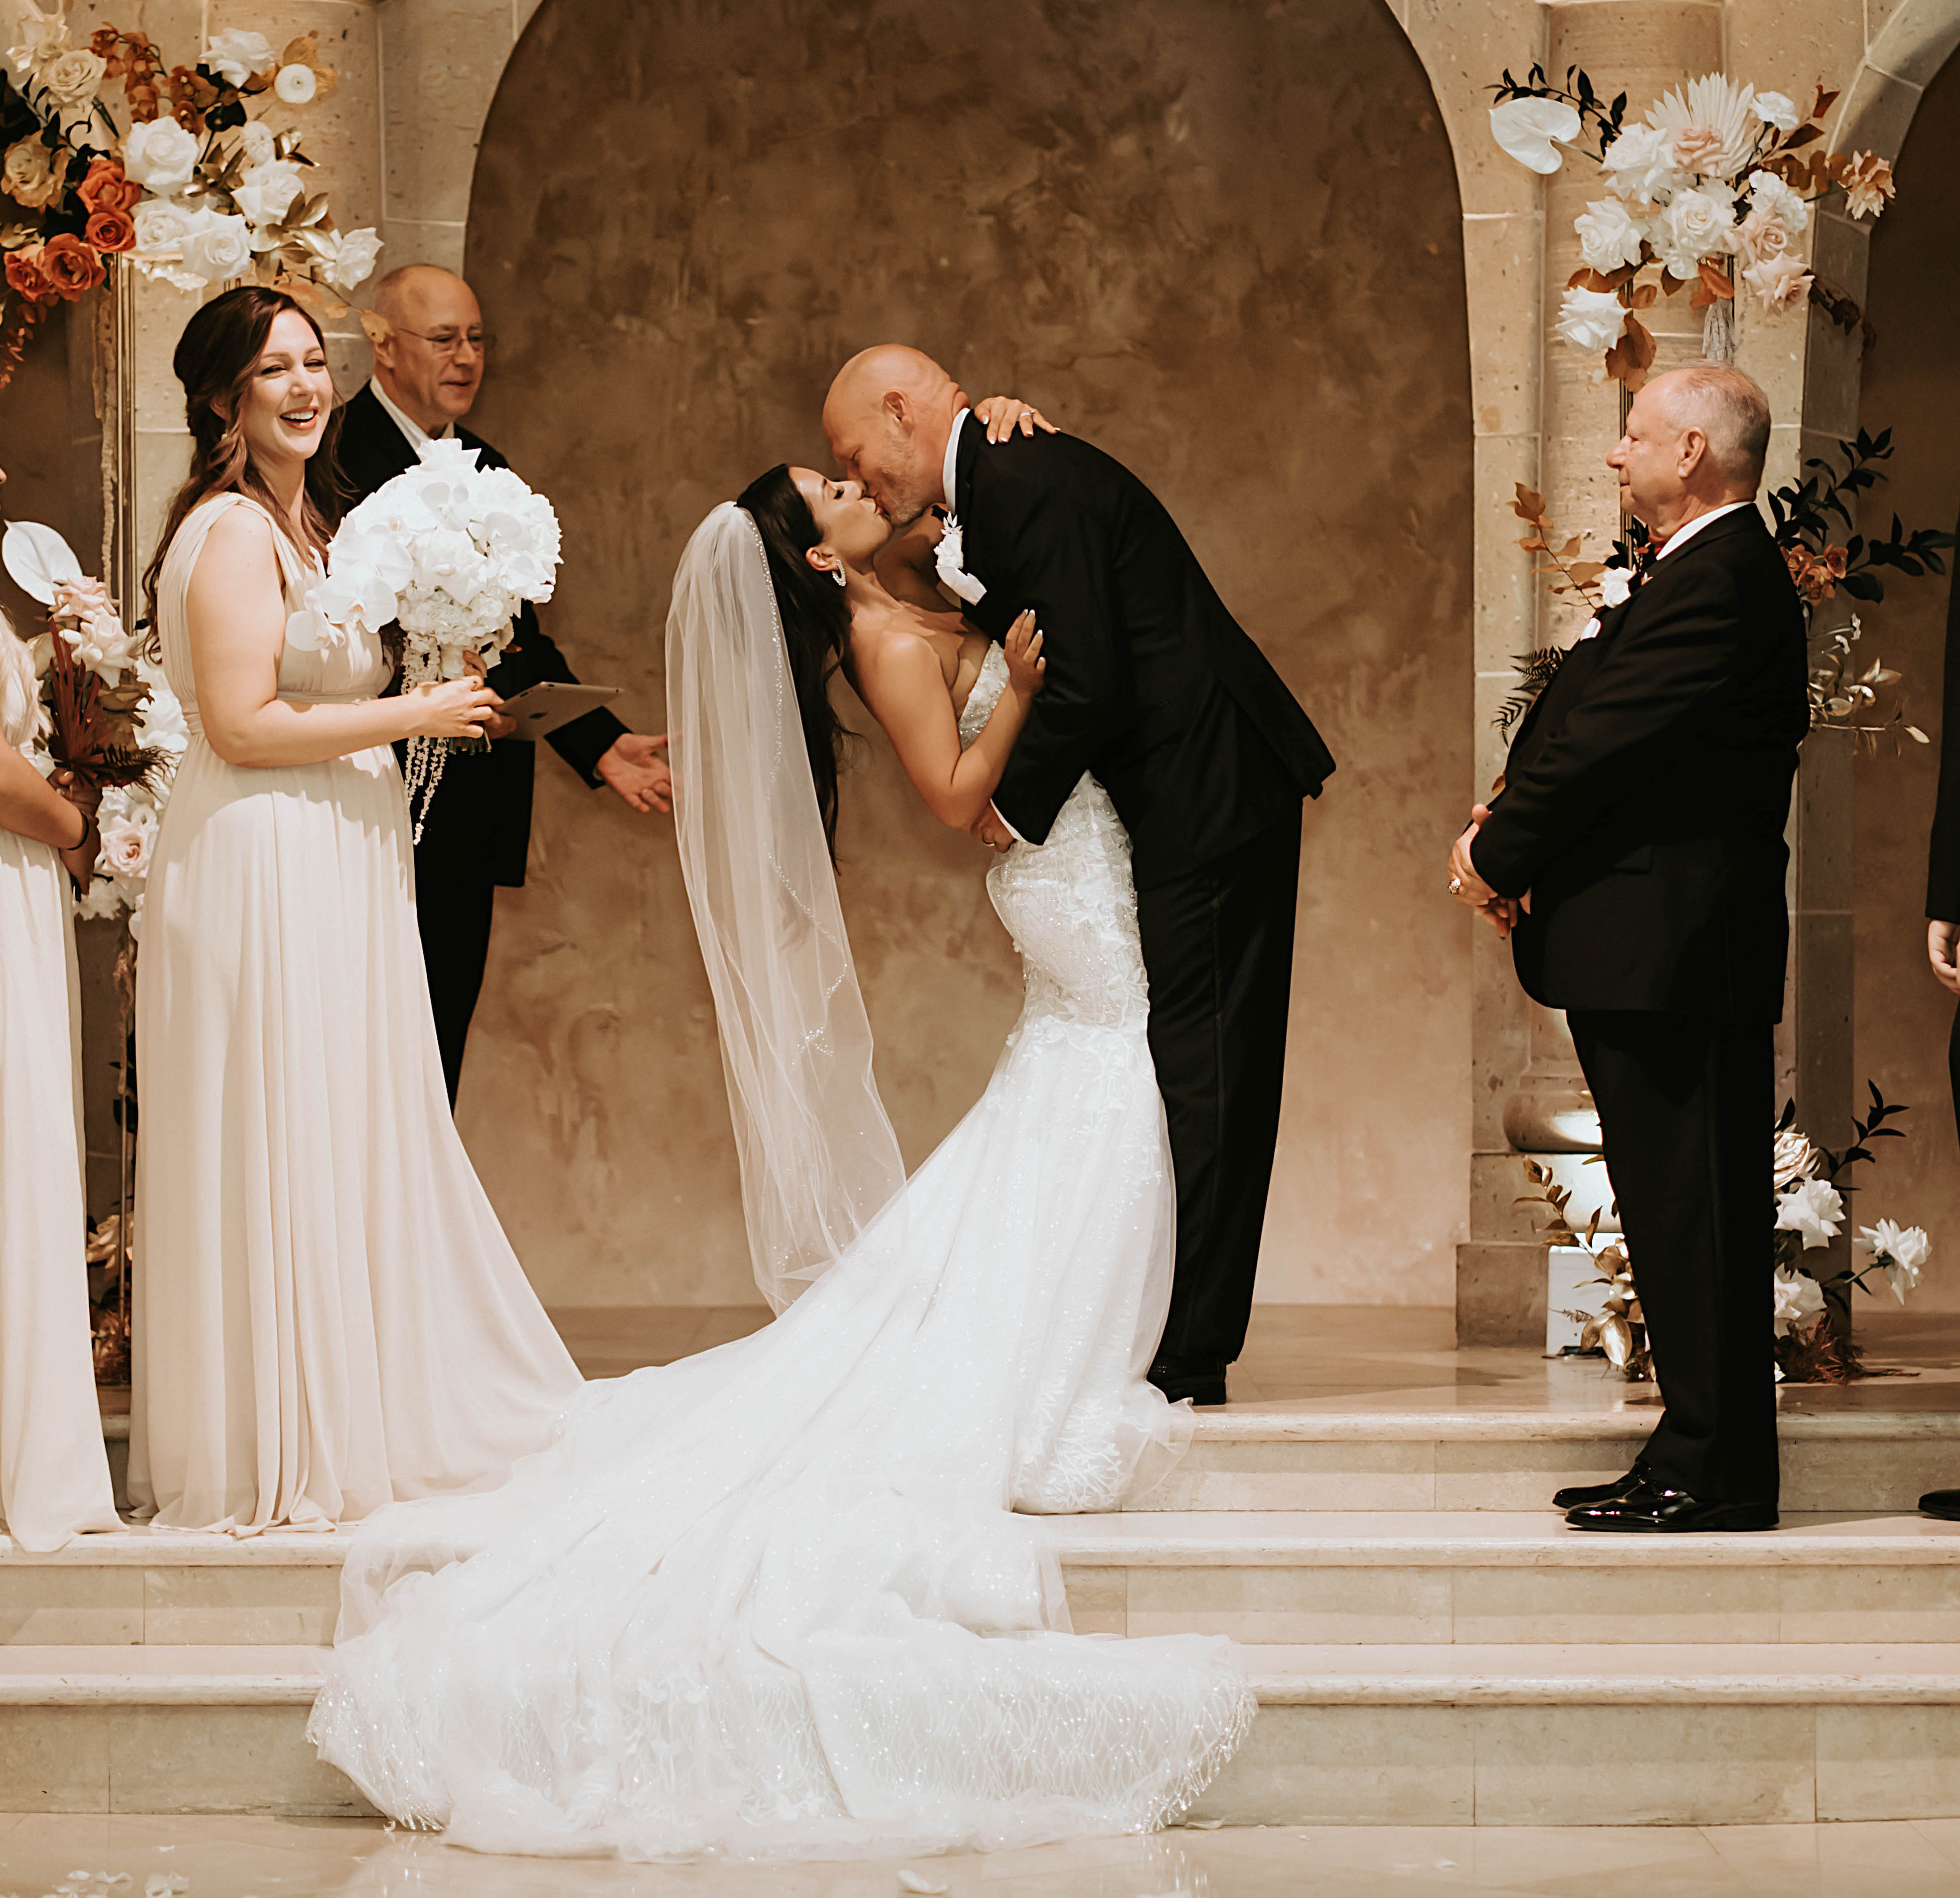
(817, 626)
(215, 358)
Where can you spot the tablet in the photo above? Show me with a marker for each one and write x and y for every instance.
(544, 707)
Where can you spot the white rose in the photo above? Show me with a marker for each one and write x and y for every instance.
(30, 176)
(1761, 235)
(1609, 235)
(1813, 1209)
(1776, 109)
(1616, 586)
(102, 645)
(160, 228)
(1697, 224)
(256, 145)
(353, 260)
(159, 155)
(216, 247)
(1529, 130)
(236, 55)
(1799, 1296)
(1639, 165)
(1769, 192)
(74, 79)
(296, 85)
(1591, 319)
(1902, 1250)
(100, 901)
(266, 191)
(1780, 283)
(125, 848)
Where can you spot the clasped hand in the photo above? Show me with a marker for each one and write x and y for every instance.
(1500, 912)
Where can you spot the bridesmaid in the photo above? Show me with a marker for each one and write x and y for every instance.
(54, 1473)
(327, 1315)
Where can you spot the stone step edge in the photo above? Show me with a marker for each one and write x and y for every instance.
(1253, 1425)
(1279, 1676)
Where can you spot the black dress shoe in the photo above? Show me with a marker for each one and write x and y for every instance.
(1202, 1379)
(1580, 1495)
(1943, 1503)
(1649, 1509)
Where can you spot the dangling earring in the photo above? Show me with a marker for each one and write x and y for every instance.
(837, 574)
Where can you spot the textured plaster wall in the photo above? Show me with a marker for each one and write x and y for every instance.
(1222, 241)
(1911, 384)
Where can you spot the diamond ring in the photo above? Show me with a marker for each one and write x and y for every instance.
(1456, 886)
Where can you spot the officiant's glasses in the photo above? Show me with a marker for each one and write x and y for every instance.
(453, 342)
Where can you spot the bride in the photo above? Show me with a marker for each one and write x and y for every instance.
(783, 1598)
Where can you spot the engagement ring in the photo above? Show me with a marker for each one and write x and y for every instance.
(1456, 886)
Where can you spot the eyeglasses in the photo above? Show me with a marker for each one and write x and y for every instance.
(451, 342)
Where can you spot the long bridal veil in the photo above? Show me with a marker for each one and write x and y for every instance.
(818, 1158)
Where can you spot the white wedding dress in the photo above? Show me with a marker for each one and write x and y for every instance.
(772, 1601)
(327, 1316)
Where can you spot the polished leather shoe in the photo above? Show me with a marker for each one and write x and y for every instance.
(1943, 1503)
(1202, 1379)
(1580, 1495)
(1649, 1509)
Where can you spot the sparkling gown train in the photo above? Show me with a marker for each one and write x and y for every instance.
(771, 1599)
(327, 1314)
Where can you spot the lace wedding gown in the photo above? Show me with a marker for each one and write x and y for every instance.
(328, 1316)
(771, 1600)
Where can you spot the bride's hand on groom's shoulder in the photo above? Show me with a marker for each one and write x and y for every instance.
(1021, 649)
(1002, 414)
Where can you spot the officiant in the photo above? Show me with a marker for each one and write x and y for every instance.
(428, 366)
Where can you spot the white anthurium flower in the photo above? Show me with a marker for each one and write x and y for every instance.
(1799, 1296)
(1616, 586)
(1531, 130)
(161, 156)
(1591, 319)
(296, 85)
(1609, 235)
(1710, 123)
(216, 247)
(1780, 284)
(1640, 166)
(236, 55)
(1776, 109)
(353, 259)
(265, 192)
(1697, 224)
(1812, 1208)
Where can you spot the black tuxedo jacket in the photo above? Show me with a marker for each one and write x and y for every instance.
(478, 825)
(1151, 684)
(1943, 870)
(1646, 791)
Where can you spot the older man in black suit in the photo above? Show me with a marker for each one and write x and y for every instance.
(1635, 856)
(428, 366)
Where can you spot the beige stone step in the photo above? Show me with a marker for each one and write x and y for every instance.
(1484, 1734)
(1428, 1577)
(1298, 1458)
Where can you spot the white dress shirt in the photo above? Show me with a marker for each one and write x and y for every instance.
(948, 468)
(415, 433)
(1681, 536)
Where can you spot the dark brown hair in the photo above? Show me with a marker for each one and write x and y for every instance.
(215, 358)
(817, 625)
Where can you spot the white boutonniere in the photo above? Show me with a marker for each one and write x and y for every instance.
(1616, 586)
(947, 558)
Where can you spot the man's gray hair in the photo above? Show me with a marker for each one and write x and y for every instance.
(1728, 408)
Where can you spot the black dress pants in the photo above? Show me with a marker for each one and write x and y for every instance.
(454, 916)
(1686, 1110)
(1218, 944)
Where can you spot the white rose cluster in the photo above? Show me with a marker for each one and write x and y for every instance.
(130, 813)
(448, 550)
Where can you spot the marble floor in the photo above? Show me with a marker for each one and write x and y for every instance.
(1362, 1358)
(252, 1858)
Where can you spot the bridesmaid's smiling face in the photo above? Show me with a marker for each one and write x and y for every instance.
(290, 396)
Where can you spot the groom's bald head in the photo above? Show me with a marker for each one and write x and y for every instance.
(888, 415)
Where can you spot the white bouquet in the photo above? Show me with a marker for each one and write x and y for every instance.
(449, 552)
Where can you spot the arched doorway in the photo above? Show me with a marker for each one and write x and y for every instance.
(1223, 243)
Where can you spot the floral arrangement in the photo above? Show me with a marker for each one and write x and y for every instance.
(1808, 1213)
(448, 552)
(1842, 698)
(1707, 193)
(196, 191)
(114, 720)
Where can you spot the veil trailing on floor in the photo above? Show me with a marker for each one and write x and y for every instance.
(818, 1154)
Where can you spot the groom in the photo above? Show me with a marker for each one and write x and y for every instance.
(1155, 689)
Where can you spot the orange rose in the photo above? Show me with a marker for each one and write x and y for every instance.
(111, 231)
(24, 276)
(105, 189)
(70, 267)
